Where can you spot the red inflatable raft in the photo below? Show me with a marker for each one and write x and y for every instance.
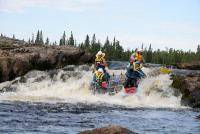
(130, 90)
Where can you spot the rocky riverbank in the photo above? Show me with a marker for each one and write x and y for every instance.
(195, 65)
(187, 82)
(17, 58)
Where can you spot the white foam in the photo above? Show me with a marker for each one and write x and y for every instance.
(153, 91)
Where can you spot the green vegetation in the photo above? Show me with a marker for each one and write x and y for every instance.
(115, 51)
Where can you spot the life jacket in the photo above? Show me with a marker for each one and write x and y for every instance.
(138, 57)
(99, 60)
(99, 76)
(135, 65)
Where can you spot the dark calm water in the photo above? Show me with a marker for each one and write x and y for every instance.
(44, 118)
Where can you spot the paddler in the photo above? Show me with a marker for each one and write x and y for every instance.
(100, 61)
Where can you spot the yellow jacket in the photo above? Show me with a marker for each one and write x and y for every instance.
(99, 77)
(99, 60)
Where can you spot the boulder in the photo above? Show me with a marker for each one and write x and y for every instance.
(112, 129)
(17, 60)
(189, 86)
(195, 65)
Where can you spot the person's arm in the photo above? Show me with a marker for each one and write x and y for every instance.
(104, 78)
(134, 67)
(104, 63)
(94, 78)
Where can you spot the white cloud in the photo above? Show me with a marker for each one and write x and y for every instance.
(68, 5)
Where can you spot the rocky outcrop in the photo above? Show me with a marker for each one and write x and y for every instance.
(188, 84)
(109, 130)
(192, 65)
(17, 60)
(7, 42)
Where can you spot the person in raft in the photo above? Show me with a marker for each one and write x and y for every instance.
(100, 62)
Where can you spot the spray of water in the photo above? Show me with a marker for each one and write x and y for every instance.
(72, 86)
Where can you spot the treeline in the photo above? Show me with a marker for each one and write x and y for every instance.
(40, 41)
(170, 56)
(115, 51)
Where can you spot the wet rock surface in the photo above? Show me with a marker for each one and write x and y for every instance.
(187, 82)
(112, 129)
(17, 59)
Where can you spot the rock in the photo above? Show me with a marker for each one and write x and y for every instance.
(109, 130)
(17, 60)
(192, 66)
(198, 117)
(189, 87)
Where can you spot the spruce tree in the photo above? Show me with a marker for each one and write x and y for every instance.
(37, 40)
(149, 54)
(94, 48)
(114, 56)
(47, 41)
(119, 51)
(71, 40)
(63, 40)
(41, 42)
(106, 45)
(87, 43)
(198, 49)
(114, 43)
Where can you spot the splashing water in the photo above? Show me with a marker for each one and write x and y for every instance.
(72, 86)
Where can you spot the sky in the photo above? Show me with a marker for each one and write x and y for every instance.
(161, 23)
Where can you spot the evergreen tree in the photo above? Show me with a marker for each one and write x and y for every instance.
(37, 40)
(13, 36)
(61, 42)
(119, 51)
(93, 42)
(114, 43)
(47, 41)
(106, 48)
(1, 35)
(95, 47)
(149, 55)
(87, 43)
(41, 42)
(71, 40)
(63, 39)
(198, 49)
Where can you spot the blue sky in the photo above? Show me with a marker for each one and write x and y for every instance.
(163, 23)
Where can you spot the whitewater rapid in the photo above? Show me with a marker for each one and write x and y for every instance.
(72, 86)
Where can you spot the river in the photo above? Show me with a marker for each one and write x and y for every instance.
(59, 101)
